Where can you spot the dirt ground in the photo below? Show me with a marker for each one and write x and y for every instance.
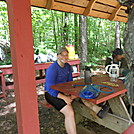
(51, 121)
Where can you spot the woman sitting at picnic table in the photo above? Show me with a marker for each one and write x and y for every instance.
(60, 71)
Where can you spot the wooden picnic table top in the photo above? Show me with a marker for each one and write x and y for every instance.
(103, 79)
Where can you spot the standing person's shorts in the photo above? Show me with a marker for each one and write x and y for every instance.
(57, 103)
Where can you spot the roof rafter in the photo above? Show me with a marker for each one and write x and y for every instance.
(49, 4)
(115, 12)
(89, 7)
(105, 9)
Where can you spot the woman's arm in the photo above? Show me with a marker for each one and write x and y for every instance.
(51, 76)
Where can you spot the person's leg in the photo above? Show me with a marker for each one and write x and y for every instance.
(69, 119)
(100, 111)
(67, 110)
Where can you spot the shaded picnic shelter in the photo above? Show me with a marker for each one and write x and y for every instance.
(21, 39)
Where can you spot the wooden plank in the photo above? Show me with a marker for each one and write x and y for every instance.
(9, 87)
(38, 3)
(49, 4)
(118, 108)
(82, 130)
(109, 2)
(106, 16)
(78, 10)
(78, 118)
(122, 13)
(76, 74)
(3, 85)
(44, 103)
(110, 121)
(100, 7)
(84, 3)
(104, 4)
(42, 65)
(68, 8)
(115, 12)
(68, 88)
(89, 7)
(108, 9)
(81, 3)
(38, 67)
(74, 62)
(103, 8)
(121, 19)
(40, 81)
(20, 27)
(6, 69)
(72, 8)
(2, 95)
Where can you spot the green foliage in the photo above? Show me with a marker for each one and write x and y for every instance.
(6, 62)
(51, 28)
(4, 32)
(93, 61)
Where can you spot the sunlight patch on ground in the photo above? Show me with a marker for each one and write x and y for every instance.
(11, 108)
(40, 90)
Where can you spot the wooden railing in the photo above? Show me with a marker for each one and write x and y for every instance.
(40, 74)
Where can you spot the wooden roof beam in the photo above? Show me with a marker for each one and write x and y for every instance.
(49, 4)
(115, 12)
(89, 7)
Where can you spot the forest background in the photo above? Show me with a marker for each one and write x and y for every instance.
(93, 38)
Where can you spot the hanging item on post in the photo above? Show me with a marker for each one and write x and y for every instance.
(92, 91)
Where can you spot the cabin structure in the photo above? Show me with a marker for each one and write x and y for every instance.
(20, 25)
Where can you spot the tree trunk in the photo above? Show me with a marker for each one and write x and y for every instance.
(54, 29)
(129, 38)
(83, 39)
(117, 35)
(129, 51)
(76, 28)
(58, 28)
(65, 30)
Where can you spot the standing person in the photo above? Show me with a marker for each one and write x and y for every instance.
(118, 58)
(60, 71)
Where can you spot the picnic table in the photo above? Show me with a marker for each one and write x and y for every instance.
(118, 120)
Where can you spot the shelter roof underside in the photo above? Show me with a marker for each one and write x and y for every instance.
(105, 9)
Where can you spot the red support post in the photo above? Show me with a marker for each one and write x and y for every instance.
(20, 25)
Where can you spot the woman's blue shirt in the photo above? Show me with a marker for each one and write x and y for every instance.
(56, 74)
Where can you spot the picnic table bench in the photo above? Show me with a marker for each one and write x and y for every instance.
(119, 120)
(40, 69)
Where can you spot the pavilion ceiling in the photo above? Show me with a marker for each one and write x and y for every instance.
(106, 9)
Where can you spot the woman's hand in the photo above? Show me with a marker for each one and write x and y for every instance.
(67, 99)
(73, 97)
